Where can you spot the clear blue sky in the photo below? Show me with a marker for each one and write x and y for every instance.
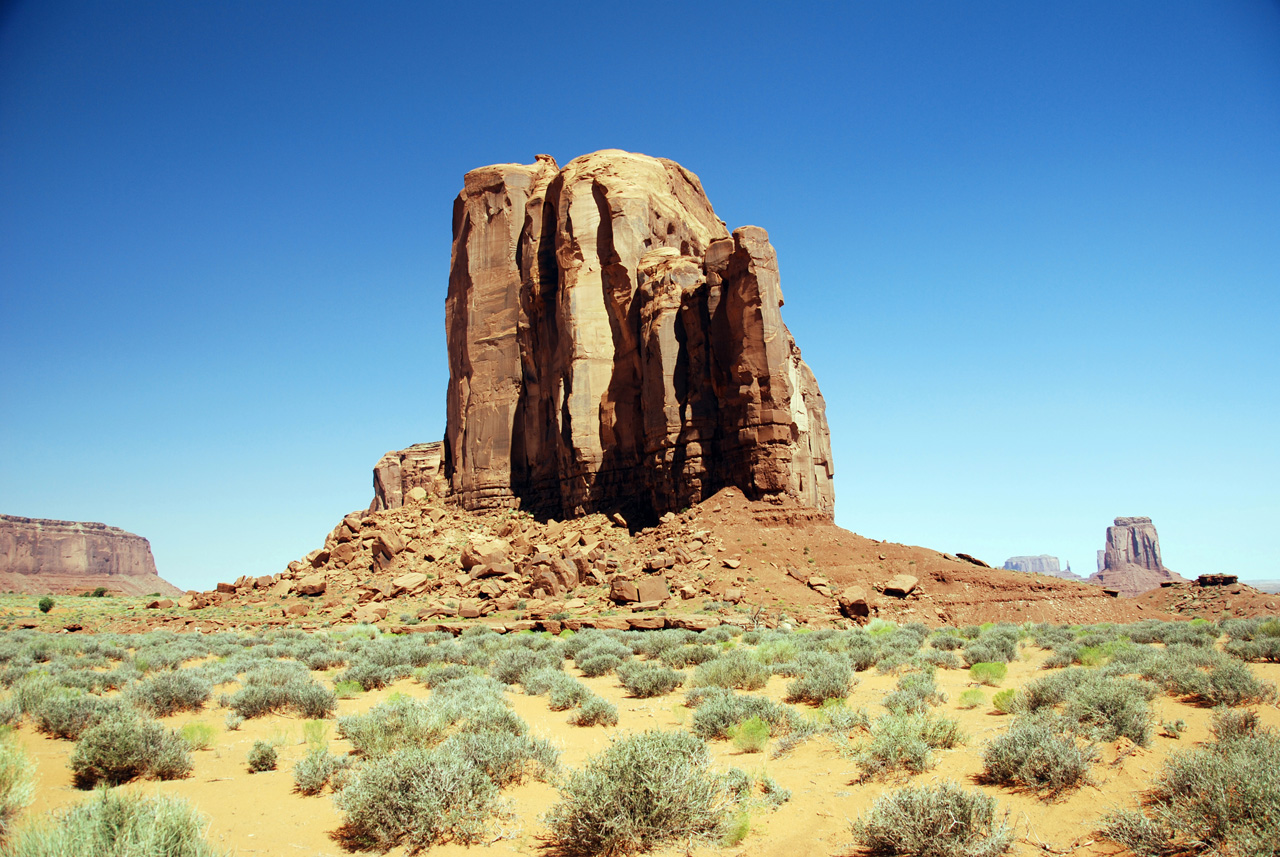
(1031, 250)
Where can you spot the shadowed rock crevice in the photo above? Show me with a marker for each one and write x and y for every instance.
(613, 348)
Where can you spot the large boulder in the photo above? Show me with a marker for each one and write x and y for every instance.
(854, 602)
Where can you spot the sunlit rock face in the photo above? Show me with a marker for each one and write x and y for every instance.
(39, 555)
(613, 347)
(1131, 562)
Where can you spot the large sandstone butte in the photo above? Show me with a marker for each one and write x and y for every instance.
(1131, 562)
(38, 555)
(613, 347)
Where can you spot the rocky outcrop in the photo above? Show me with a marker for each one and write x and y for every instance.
(1131, 561)
(1042, 564)
(613, 347)
(38, 556)
(399, 472)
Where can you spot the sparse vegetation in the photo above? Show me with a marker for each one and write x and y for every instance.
(941, 820)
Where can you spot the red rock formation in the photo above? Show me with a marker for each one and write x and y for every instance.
(612, 346)
(1131, 562)
(401, 471)
(38, 556)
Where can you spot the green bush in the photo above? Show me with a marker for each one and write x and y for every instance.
(1223, 799)
(751, 735)
(988, 673)
(45, 604)
(595, 711)
(644, 791)
(417, 798)
(1005, 701)
(121, 748)
(941, 820)
(115, 824)
(199, 736)
(262, 757)
(170, 691)
(1038, 752)
(644, 680)
(972, 698)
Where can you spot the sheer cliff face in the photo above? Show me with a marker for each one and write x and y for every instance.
(612, 346)
(38, 555)
(1131, 561)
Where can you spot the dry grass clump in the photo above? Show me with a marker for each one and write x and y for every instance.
(114, 824)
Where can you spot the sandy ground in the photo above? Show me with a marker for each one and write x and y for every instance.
(262, 814)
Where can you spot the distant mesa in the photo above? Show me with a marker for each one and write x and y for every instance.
(1042, 564)
(612, 347)
(42, 556)
(1131, 562)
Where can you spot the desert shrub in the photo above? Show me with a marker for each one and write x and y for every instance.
(644, 680)
(737, 669)
(416, 797)
(398, 722)
(1223, 799)
(121, 748)
(313, 771)
(369, 675)
(68, 715)
(997, 646)
(751, 735)
(233, 721)
(826, 678)
(904, 742)
(32, 689)
(1005, 701)
(199, 736)
(1114, 708)
(595, 711)
(972, 698)
(718, 711)
(942, 820)
(1038, 752)
(436, 674)
(17, 783)
(1231, 683)
(988, 673)
(599, 665)
(510, 666)
(916, 691)
(347, 689)
(936, 658)
(644, 791)
(168, 692)
(566, 692)
(283, 686)
(45, 604)
(116, 824)
(687, 656)
(1228, 725)
(538, 681)
(947, 641)
(262, 757)
(504, 757)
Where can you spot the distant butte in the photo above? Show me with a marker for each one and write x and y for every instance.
(43, 556)
(1131, 562)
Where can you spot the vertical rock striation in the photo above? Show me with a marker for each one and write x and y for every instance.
(1131, 562)
(613, 347)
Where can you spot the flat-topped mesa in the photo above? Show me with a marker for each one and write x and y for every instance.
(613, 347)
(1042, 564)
(39, 555)
(1131, 561)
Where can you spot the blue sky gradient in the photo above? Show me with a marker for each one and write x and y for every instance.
(1031, 250)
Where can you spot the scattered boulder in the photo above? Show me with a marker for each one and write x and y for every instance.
(312, 584)
(901, 585)
(854, 603)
